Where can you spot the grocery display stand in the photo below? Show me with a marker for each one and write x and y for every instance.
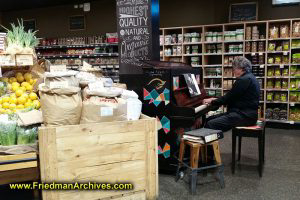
(216, 61)
(20, 167)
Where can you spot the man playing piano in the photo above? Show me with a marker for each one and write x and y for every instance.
(242, 100)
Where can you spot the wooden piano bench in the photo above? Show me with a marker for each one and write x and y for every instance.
(258, 132)
(193, 167)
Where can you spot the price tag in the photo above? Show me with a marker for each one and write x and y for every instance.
(292, 104)
(285, 53)
(58, 68)
(59, 84)
(281, 66)
(252, 54)
(7, 60)
(96, 85)
(106, 111)
(117, 66)
(80, 56)
(261, 66)
(110, 66)
(292, 122)
(260, 54)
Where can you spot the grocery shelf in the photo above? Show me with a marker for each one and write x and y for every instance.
(284, 90)
(234, 53)
(213, 77)
(75, 46)
(287, 52)
(79, 56)
(277, 77)
(221, 56)
(213, 88)
(283, 121)
(177, 44)
(270, 39)
(213, 42)
(234, 41)
(173, 55)
(255, 40)
(212, 54)
(191, 55)
(277, 102)
(261, 52)
(220, 65)
(277, 64)
(192, 43)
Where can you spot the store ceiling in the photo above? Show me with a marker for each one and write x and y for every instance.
(10, 5)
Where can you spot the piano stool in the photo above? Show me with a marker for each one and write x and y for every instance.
(258, 133)
(195, 149)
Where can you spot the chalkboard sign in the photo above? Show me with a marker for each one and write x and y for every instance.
(134, 30)
(29, 24)
(77, 22)
(243, 12)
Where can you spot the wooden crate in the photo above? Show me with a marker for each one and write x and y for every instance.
(110, 152)
(18, 169)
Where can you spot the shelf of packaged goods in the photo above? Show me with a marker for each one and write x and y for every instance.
(294, 103)
(277, 77)
(191, 55)
(284, 52)
(75, 46)
(254, 53)
(79, 56)
(213, 65)
(215, 42)
(177, 44)
(283, 121)
(275, 39)
(277, 102)
(192, 43)
(233, 53)
(280, 90)
(213, 88)
(277, 65)
(212, 54)
(255, 40)
(209, 77)
(295, 48)
(173, 55)
(234, 41)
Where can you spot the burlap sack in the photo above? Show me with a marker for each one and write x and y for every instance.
(98, 109)
(61, 106)
(68, 77)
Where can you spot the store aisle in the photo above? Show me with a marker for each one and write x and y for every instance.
(281, 176)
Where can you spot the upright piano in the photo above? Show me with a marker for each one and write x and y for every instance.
(166, 96)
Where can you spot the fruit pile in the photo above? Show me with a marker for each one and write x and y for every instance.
(20, 94)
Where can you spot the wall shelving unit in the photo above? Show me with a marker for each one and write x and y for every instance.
(216, 69)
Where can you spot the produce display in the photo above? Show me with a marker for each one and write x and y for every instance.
(19, 40)
(295, 114)
(19, 93)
